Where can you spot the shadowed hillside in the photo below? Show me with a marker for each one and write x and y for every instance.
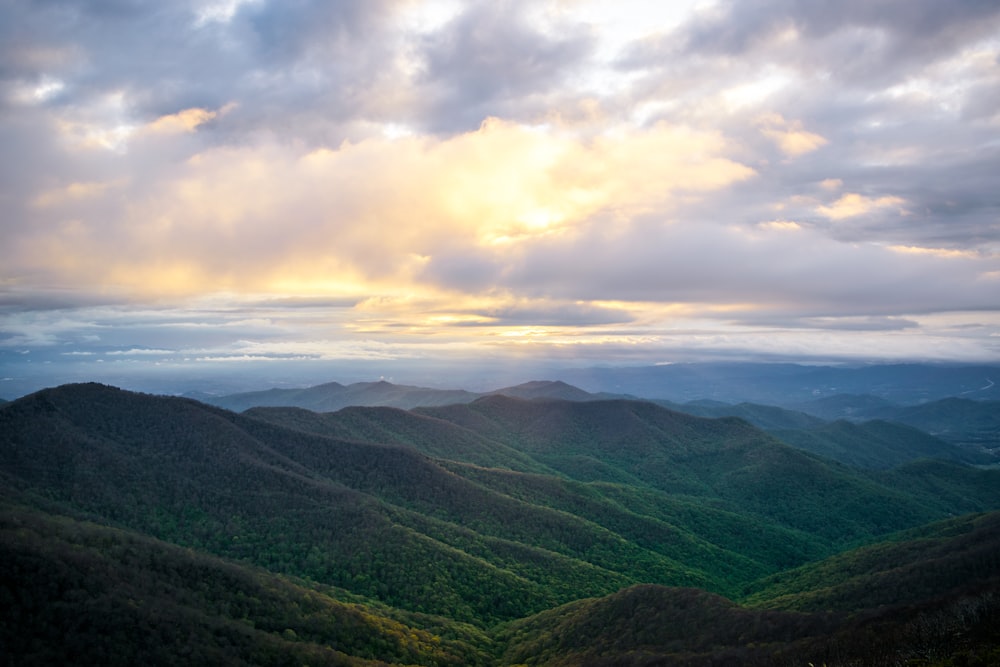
(724, 459)
(474, 523)
(76, 591)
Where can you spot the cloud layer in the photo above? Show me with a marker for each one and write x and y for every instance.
(561, 179)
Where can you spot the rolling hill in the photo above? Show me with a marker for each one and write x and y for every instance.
(462, 527)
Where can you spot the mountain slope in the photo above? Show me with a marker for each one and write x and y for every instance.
(767, 417)
(723, 459)
(791, 384)
(919, 564)
(970, 423)
(712, 504)
(876, 444)
(208, 479)
(434, 437)
(961, 421)
(73, 590)
(336, 511)
(931, 596)
(334, 396)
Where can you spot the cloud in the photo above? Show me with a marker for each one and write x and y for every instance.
(852, 205)
(183, 121)
(490, 61)
(375, 210)
(768, 270)
(858, 42)
(789, 136)
(567, 175)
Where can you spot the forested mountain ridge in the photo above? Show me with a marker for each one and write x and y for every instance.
(365, 505)
(965, 430)
(334, 396)
(878, 444)
(74, 592)
(958, 420)
(788, 384)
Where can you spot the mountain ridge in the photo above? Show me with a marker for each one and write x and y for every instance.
(378, 513)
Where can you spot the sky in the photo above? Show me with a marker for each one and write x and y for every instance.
(363, 187)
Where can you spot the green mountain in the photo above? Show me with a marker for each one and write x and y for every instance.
(790, 384)
(930, 596)
(916, 565)
(855, 407)
(957, 420)
(339, 512)
(726, 461)
(74, 592)
(446, 535)
(767, 417)
(966, 431)
(877, 444)
(435, 437)
(970, 423)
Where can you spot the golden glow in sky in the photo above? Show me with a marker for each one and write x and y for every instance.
(590, 181)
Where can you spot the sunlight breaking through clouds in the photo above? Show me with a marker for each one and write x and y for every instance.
(444, 177)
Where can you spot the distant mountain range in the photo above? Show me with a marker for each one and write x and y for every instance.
(333, 396)
(789, 385)
(953, 428)
(149, 529)
(792, 386)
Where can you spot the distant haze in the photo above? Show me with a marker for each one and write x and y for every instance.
(254, 193)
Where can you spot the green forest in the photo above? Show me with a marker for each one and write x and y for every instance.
(142, 529)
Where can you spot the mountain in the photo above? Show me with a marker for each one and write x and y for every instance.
(929, 597)
(790, 384)
(343, 513)
(767, 417)
(334, 396)
(960, 421)
(877, 444)
(385, 522)
(726, 460)
(90, 593)
(547, 389)
(434, 437)
(855, 407)
(74, 590)
(918, 564)
(859, 433)
(972, 424)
